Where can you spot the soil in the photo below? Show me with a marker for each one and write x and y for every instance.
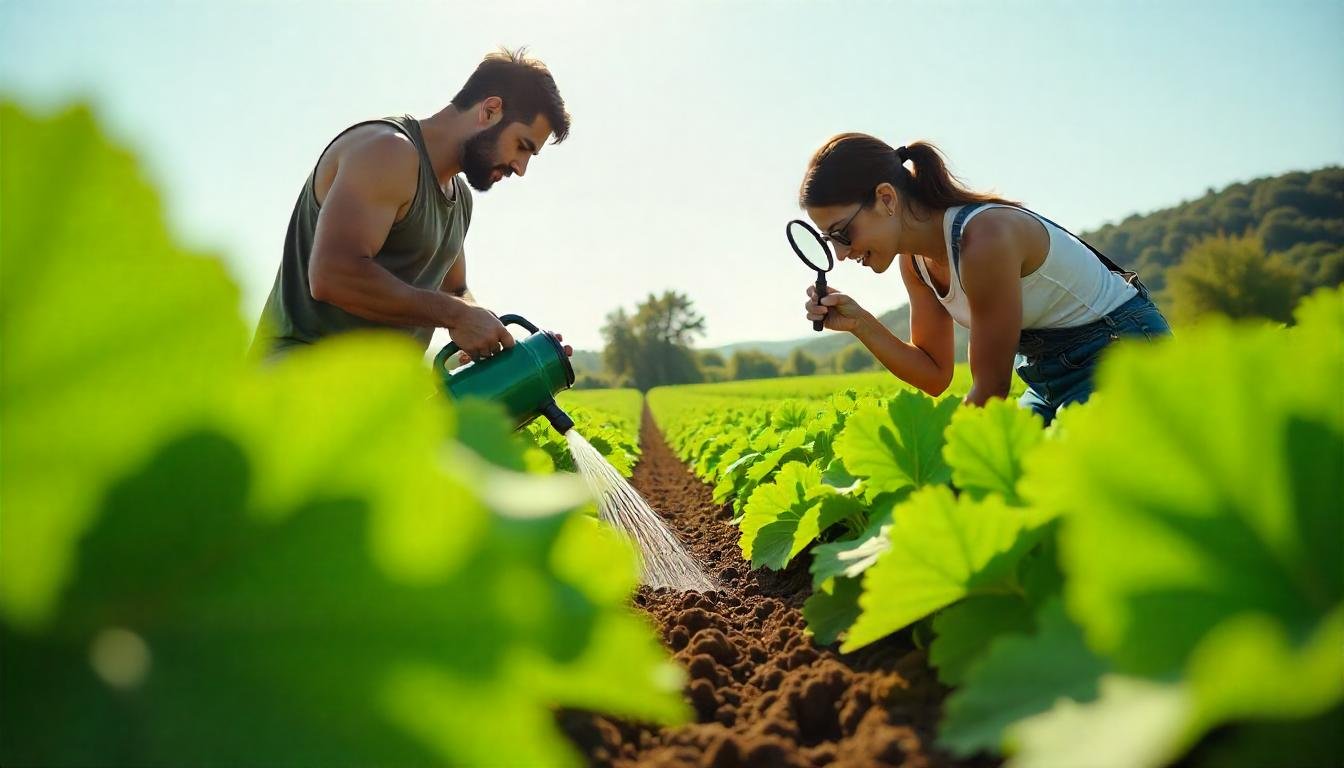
(763, 693)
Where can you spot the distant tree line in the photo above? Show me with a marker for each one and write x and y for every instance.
(653, 346)
(1252, 249)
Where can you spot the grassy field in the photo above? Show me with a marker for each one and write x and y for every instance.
(881, 383)
(625, 404)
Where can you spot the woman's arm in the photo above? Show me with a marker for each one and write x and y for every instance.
(992, 255)
(926, 362)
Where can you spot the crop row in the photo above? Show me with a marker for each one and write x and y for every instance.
(1160, 562)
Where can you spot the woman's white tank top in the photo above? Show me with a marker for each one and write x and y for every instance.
(1070, 288)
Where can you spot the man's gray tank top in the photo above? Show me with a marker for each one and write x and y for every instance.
(419, 250)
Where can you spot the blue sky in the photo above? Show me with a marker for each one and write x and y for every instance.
(693, 121)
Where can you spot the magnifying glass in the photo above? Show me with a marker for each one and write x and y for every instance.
(815, 252)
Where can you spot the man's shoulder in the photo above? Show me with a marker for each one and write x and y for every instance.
(379, 142)
(375, 157)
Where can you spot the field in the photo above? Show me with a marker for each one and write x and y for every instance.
(209, 559)
(909, 581)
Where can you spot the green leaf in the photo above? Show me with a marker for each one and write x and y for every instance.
(113, 339)
(851, 557)
(783, 517)
(1021, 675)
(899, 446)
(966, 630)
(1243, 516)
(733, 475)
(1134, 723)
(760, 469)
(839, 478)
(830, 613)
(220, 564)
(257, 638)
(1247, 667)
(943, 549)
(484, 427)
(985, 447)
(283, 415)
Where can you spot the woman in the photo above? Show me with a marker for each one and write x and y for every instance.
(1032, 295)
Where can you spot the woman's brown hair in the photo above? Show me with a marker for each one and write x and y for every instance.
(849, 166)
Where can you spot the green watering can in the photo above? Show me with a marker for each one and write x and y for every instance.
(524, 378)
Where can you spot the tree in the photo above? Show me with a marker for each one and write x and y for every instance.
(854, 358)
(1231, 276)
(752, 364)
(801, 363)
(653, 346)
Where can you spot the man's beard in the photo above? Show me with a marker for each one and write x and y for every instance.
(479, 161)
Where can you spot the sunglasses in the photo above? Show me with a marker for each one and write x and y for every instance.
(841, 233)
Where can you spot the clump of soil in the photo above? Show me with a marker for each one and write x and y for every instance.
(763, 693)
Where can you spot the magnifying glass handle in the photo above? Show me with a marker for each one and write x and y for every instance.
(821, 292)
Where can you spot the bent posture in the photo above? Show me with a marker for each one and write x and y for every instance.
(1033, 296)
(376, 236)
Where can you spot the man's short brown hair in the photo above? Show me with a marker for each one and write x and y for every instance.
(523, 83)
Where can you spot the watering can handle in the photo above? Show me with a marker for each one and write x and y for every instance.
(451, 347)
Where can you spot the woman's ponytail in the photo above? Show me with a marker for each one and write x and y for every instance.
(848, 168)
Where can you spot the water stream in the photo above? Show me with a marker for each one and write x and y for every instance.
(666, 562)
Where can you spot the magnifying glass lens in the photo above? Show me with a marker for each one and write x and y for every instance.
(807, 243)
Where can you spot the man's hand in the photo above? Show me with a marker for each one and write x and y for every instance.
(463, 358)
(478, 332)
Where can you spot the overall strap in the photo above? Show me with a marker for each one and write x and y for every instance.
(966, 210)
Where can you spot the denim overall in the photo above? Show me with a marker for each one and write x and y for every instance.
(1058, 364)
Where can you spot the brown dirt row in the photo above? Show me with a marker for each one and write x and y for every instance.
(763, 693)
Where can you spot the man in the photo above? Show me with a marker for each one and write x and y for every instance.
(375, 239)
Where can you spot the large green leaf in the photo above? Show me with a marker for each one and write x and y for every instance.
(1221, 563)
(1248, 668)
(943, 548)
(203, 632)
(786, 515)
(900, 445)
(113, 339)
(1235, 508)
(985, 447)
(966, 630)
(1021, 675)
(207, 563)
(829, 612)
(1133, 723)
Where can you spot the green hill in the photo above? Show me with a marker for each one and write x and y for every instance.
(1299, 215)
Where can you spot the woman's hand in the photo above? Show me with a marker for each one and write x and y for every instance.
(840, 312)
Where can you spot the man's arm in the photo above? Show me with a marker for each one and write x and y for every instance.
(372, 182)
(455, 282)
(991, 269)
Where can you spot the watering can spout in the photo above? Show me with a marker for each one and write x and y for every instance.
(558, 418)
